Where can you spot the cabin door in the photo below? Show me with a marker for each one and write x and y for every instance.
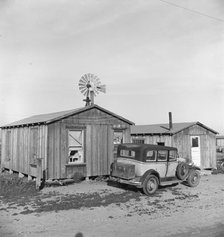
(196, 150)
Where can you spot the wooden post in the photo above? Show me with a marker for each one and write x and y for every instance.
(39, 172)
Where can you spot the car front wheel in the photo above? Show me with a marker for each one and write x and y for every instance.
(193, 178)
(150, 184)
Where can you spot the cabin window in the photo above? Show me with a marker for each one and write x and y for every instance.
(138, 140)
(195, 142)
(8, 145)
(162, 155)
(34, 144)
(76, 144)
(151, 156)
(161, 143)
(172, 155)
(118, 137)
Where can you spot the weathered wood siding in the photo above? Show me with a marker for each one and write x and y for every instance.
(98, 144)
(154, 139)
(24, 144)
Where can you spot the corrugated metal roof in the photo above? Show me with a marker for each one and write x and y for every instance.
(51, 117)
(164, 128)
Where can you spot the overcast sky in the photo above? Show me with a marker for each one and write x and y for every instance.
(154, 56)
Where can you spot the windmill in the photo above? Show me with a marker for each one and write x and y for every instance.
(90, 86)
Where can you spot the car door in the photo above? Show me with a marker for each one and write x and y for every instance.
(172, 164)
(161, 167)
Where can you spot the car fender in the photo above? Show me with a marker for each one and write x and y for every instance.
(194, 167)
(148, 172)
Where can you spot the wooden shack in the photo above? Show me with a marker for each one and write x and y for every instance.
(194, 141)
(80, 140)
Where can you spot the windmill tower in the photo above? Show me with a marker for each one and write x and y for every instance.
(90, 86)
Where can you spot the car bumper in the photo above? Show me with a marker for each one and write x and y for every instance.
(134, 182)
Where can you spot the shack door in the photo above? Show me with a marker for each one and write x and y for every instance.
(196, 150)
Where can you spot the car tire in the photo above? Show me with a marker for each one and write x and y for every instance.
(182, 171)
(193, 178)
(150, 184)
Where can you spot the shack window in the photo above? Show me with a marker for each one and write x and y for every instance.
(195, 142)
(118, 137)
(162, 155)
(75, 143)
(138, 140)
(8, 146)
(150, 156)
(34, 144)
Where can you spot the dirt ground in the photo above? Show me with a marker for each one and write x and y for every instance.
(103, 208)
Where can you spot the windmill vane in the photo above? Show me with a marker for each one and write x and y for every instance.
(90, 86)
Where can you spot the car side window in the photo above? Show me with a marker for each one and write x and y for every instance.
(162, 155)
(151, 156)
(127, 153)
(172, 155)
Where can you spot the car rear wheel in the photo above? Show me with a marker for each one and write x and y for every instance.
(182, 171)
(193, 178)
(150, 185)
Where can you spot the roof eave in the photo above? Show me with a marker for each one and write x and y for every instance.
(22, 125)
(207, 128)
(152, 134)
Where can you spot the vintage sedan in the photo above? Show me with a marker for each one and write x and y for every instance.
(148, 166)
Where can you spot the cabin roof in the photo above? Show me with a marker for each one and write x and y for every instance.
(220, 137)
(144, 146)
(164, 128)
(52, 117)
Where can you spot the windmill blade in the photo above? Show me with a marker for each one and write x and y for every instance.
(84, 91)
(102, 88)
(83, 88)
(83, 80)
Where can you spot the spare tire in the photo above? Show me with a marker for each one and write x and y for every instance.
(182, 171)
(222, 166)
